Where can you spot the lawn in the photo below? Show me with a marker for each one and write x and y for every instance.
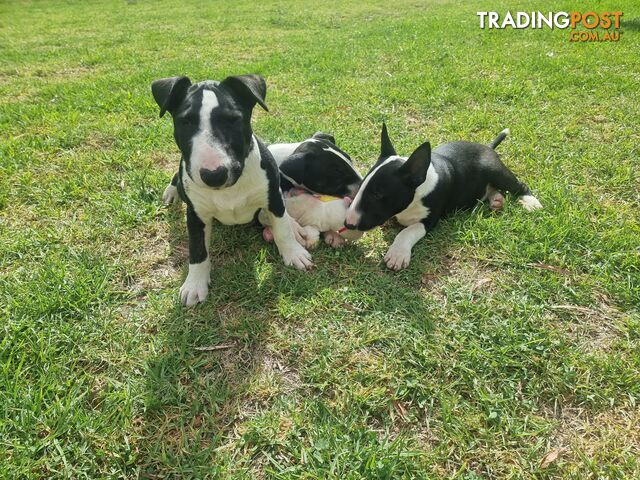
(510, 348)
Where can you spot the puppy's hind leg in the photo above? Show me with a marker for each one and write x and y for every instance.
(529, 203)
(494, 198)
(267, 234)
(264, 218)
(504, 179)
(304, 235)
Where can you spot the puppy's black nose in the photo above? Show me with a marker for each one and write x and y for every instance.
(350, 226)
(214, 178)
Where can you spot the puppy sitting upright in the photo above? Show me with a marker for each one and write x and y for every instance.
(225, 172)
(420, 190)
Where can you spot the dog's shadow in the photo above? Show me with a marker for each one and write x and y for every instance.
(201, 381)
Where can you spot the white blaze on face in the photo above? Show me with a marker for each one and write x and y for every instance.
(338, 154)
(206, 152)
(354, 214)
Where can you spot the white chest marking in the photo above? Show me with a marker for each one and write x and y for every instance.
(416, 211)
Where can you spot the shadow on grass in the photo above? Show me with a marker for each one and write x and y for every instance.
(201, 383)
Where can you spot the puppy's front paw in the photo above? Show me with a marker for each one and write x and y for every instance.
(397, 257)
(192, 293)
(333, 239)
(312, 237)
(301, 234)
(196, 287)
(297, 256)
(170, 195)
(306, 236)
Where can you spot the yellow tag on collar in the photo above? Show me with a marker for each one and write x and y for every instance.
(327, 198)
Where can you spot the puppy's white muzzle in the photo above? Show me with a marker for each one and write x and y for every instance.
(352, 218)
(209, 162)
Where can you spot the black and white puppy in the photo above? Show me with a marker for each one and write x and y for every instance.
(317, 165)
(313, 174)
(225, 172)
(428, 185)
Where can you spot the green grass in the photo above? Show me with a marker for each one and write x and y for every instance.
(510, 335)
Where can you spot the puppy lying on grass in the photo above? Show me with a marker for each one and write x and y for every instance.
(318, 181)
(423, 188)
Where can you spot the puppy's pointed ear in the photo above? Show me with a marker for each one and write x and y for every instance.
(169, 92)
(386, 147)
(250, 88)
(324, 136)
(414, 170)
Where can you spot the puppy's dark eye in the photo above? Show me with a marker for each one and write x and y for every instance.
(231, 119)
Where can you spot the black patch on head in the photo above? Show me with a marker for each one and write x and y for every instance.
(169, 92)
(392, 188)
(414, 171)
(385, 195)
(293, 167)
(230, 120)
(186, 121)
(316, 168)
(249, 89)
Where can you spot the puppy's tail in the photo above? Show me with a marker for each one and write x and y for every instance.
(498, 140)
